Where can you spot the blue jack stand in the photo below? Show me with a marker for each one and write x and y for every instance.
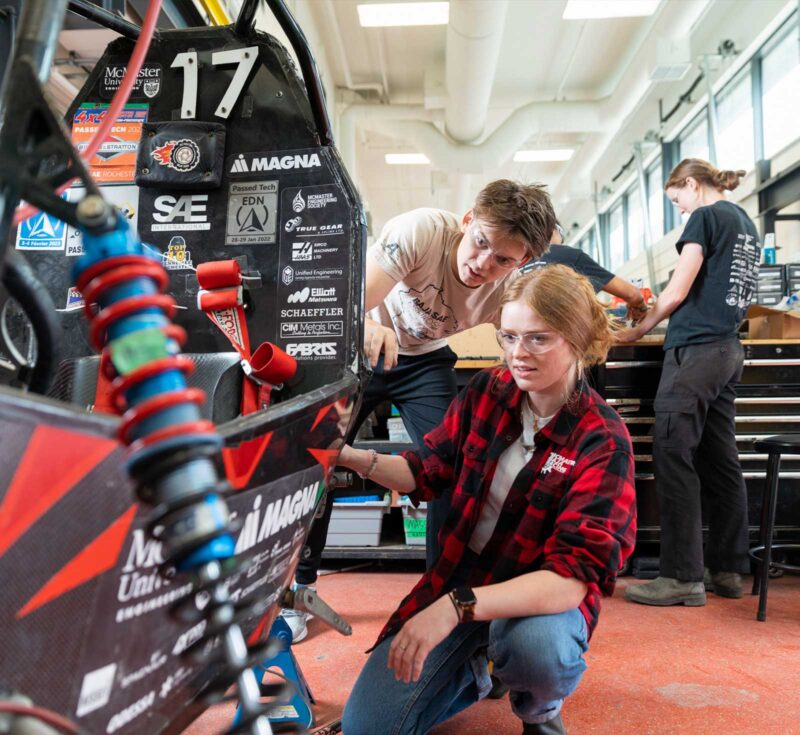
(297, 710)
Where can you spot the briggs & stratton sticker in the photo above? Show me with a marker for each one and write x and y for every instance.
(115, 161)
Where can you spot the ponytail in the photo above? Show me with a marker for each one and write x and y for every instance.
(704, 173)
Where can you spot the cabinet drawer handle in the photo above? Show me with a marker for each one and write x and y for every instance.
(772, 363)
(635, 363)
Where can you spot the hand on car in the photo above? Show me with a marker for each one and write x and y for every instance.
(377, 339)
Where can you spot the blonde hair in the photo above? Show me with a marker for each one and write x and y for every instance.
(518, 210)
(566, 302)
(704, 173)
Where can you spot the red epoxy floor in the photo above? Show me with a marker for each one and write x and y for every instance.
(706, 670)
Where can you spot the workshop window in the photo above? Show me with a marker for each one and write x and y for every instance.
(616, 238)
(736, 143)
(780, 79)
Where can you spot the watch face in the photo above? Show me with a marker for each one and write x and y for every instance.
(465, 596)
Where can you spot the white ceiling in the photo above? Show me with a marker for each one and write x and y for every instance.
(581, 84)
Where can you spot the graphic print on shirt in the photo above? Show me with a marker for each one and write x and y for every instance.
(424, 314)
(558, 463)
(744, 271)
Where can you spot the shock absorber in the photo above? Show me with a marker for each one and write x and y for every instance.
(171, 447)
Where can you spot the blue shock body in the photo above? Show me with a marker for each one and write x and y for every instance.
(208, 509)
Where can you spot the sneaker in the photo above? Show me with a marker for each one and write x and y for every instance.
(551, 727)
(664, 591)
(297, 620)
(724, 584)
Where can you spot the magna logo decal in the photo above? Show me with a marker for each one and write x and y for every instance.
(263, 162)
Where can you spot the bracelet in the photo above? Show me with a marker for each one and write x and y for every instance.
(452, 597)
(373, 462)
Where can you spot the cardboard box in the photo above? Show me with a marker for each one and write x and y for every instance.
(478, 342)
(766, 323)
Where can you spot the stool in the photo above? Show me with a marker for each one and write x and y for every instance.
(774, 446)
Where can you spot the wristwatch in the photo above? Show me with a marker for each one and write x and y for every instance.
(464, 601)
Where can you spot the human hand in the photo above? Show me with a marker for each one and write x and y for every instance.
(637, 312)
(377, 339)
(419, 636)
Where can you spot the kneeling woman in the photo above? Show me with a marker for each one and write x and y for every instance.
(543, 516)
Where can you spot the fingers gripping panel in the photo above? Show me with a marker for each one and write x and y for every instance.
(219, 134)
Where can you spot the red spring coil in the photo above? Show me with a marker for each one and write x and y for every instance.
(95, 281)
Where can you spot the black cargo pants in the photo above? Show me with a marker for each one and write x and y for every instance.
(422, 387)
(695, 455)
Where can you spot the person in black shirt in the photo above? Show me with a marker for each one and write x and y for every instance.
(599, 277)
(694, 447)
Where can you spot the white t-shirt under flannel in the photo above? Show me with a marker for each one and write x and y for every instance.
(428, 303)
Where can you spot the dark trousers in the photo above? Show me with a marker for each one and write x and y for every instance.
(695, 457)
(422, 387)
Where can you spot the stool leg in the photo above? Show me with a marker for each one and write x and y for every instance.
(773, 473)
(762, 526)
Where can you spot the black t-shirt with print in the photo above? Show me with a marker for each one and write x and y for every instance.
(723, 288)
(576, 259)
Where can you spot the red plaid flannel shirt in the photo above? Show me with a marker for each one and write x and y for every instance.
(571, 510)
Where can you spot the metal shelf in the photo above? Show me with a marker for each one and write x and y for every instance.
(384, 551)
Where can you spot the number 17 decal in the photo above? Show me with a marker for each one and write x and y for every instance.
(244, 57)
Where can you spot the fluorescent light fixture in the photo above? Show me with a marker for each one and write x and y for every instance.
(547, 154)
(407, 159)
(589, 9)
(374, 15)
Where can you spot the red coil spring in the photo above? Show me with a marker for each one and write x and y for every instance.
(95, 281)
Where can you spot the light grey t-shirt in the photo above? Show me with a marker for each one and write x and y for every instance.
(428, 303)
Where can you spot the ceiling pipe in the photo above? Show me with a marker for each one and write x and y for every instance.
(674, 20)
(500, 146)
(332, 28)
(374, 117)
(474, 36)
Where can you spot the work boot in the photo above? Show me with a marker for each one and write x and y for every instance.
(667, 591)
(498, 690)
(724, 584)
(551, 727)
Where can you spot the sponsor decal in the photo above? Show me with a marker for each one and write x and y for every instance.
(298, 203)
(287, 275)
(312, 350)
(319, 230)
(147, 84)
(187, 212)
(42, 231)
(194, 634)
(131, 712)
(315, 274)
(302, 251)
(298, 330)
(173, 680)
(292, 224)
(313, 313)
(312, 295)
(252, 213)
(157, 660)
(177, 257)
(96, 690)
(181, 155)
(115, 160)
(74, 299)
(255, 162)
(558, 463)
(277, 515)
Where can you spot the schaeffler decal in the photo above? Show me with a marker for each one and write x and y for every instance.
(182, 155)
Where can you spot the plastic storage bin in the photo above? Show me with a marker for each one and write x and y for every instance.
(415, 521)
(397, 430)
(357, 524)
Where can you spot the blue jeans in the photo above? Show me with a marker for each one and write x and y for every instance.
(540, 658)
